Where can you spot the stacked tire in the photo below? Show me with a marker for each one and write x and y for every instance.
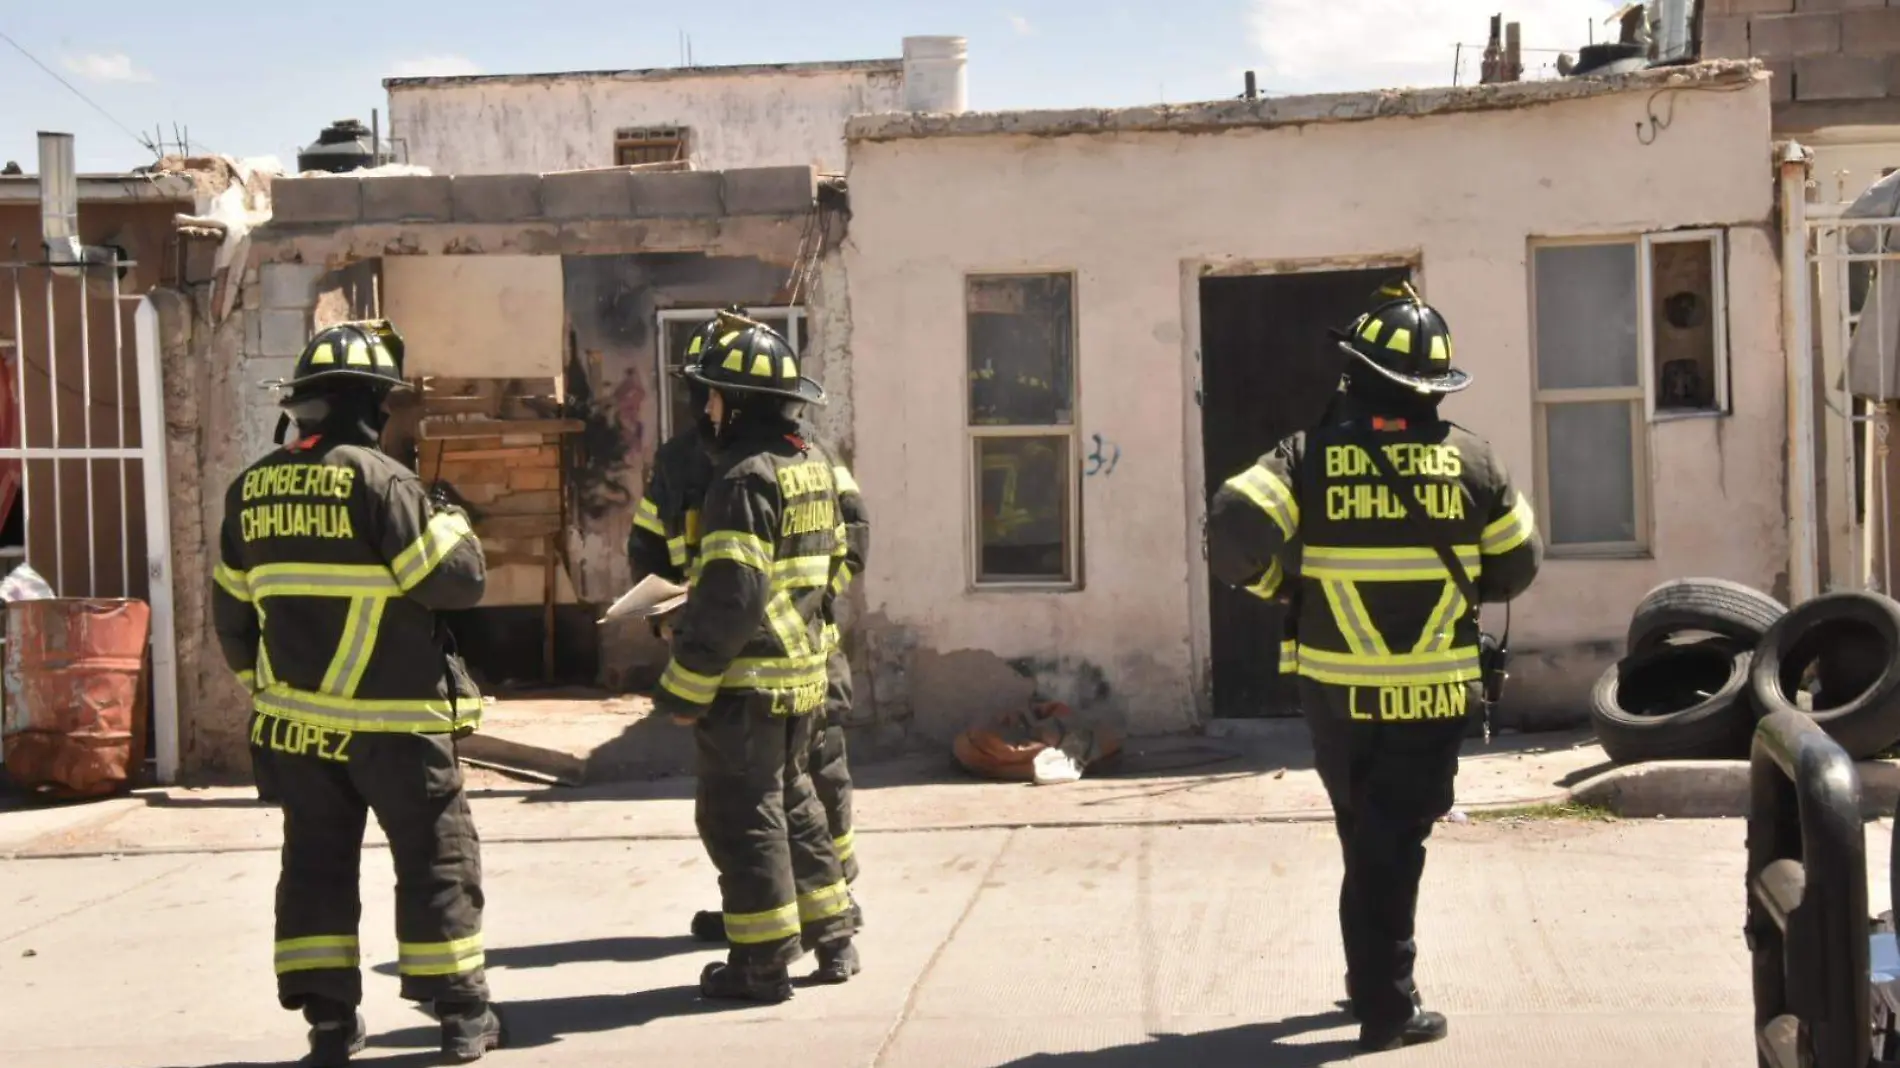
(1682, 692)
(1708, 658)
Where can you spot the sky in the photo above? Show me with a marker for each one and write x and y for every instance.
(262, 79)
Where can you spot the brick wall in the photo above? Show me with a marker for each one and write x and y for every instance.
(1823, 54)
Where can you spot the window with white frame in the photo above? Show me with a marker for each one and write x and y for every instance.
(676, 332)
(1627, 332)
(1022, 429)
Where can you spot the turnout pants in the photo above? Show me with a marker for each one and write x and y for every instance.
(830, 774)
(1389, 782)
(780, 886)
(326, 788)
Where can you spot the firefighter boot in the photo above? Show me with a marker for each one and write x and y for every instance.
(1423, 1027)
(837, 962)
(769, 984)
(709, 926)
(1418, 1000)
(337, 1033)
(470, 1030)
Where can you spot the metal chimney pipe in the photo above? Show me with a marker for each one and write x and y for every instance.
(59, 200)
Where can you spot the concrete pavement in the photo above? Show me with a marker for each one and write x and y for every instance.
(1565, 943)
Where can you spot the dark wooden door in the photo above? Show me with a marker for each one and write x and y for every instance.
(1268, 369)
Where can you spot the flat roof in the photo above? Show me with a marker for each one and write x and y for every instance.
(20, 188)
(655, 74)
(1218, 115)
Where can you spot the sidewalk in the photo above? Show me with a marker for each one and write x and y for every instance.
(1266, 775)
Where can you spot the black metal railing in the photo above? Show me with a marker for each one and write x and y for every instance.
(1807, 899)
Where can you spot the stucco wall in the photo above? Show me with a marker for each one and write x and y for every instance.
(1133, 214)
(755, 119)
(477, 316)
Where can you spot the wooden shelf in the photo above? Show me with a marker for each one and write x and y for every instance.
(441, 429)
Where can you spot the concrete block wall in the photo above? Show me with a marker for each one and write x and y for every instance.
(1819, 51)
(609, 193)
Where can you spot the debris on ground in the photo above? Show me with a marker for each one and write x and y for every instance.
(1044, 744)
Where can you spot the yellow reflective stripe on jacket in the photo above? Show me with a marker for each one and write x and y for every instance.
(316, 953)
(843, 480)
(1441, 627)
(445, 531)
(824, 903)
(801, 572)
(1323, 562)
(1391, 669)
(425, 716)
(354, 647)
(689, 686)
(459, 957)
(1269, 493)
(676, 551)
(1512, 531)
(791, 629)
(842, 580)
(235, 583)
(647, 517)
(845, 846)
(322, 580)
(755, 928)
(740, 548)
(248, 679)
(1354, 621)
(776, 673)
(1269, 583)
(1289, 657)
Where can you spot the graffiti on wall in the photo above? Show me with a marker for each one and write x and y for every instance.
(1103, 459)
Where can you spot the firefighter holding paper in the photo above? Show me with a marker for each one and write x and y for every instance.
(748, 671)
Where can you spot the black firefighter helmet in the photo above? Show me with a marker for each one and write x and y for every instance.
(1406, 340)
(750, 357)
(706, 338)
(363, 353)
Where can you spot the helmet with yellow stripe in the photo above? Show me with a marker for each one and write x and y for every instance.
(744, 356)
(366, 352)
(1405, 340)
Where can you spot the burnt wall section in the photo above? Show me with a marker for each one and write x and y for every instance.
(613, 385)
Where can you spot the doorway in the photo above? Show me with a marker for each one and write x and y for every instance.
(1268, 369)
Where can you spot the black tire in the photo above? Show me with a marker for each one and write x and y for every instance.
(1842, 650)
(1716, 606)
(1676, 702)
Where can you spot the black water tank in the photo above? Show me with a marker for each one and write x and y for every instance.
(345, 146)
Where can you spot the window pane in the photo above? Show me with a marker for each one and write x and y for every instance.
(1023, 494)
(1022, 359)
(677, 333)
(1592, 473)
(1683, 291)
(1586, 316)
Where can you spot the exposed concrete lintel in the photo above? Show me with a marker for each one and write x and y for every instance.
(1217, 116)
(339, 246)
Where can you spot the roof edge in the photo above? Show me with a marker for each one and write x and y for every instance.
(25, 188)
(655, 74)
(1214, 116)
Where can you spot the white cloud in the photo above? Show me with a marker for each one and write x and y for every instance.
(434, 67)
(1021, 25)
(1327, 45)
(105, 67)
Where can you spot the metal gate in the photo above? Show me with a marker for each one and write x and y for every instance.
(1851, 278)
(86, 440)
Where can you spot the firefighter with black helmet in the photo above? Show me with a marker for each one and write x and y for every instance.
(665, 541)
(750, 649)
(333, 562)
(1393, 525)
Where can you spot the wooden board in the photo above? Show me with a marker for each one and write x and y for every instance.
(437, 430)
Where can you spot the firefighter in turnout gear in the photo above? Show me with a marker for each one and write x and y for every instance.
(1365, 515)
(748, 671)
(665, 541)
(333, 563)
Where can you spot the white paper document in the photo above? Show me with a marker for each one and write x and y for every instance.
(651, 596)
